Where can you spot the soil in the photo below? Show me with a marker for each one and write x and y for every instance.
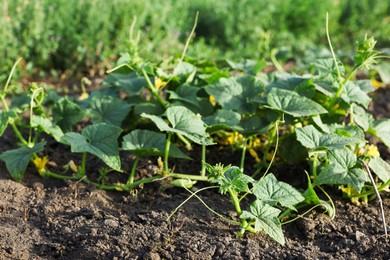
(57, 219)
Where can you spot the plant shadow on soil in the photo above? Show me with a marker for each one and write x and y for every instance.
(56, 219)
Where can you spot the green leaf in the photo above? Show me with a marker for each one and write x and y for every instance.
(353, 94)
(129, 82)
(66, 114)
(361, 117)
(327, 69)
(342, 170)
(108, 109)
(5, 117)
(381, 168)
(185, 70)
(254, 125)
(148, 143)
(47, 126)
(266, 218)
(293, 104)
(232, 178)
(236, 93)
(302, 85)
(184, 122)
(380, 128)
(271, 191)
(100, 140)
(185, 93)
(222, 119)
(311, 138)
(17, 160)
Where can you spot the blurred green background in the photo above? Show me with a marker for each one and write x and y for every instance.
(83, 36)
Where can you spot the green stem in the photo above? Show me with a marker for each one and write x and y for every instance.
(185, 141)
(242, 163)
(83, 164)
(154, 91)
(203, 170)
(187, 176)
(314, 165)
(11, 74)
(132, 173)
(166, 154)
(51, 174)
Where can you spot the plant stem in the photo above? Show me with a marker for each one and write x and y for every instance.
(314, 165)
(242, 163)
(377, 194)
(166, 154)
(187, 176)
(83, 164)
(154, 91)
(132, 173)
(203, 170)
(185, 141)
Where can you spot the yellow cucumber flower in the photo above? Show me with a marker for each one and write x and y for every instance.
(40, 163)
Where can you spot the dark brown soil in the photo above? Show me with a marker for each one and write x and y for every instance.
(53, 219)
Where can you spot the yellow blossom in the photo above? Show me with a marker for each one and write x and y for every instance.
(40, 163)
(372, 150)
(376, 84)
(158, 83)
(73, 166)
(212, 100)
(253, 153)
(83, 96)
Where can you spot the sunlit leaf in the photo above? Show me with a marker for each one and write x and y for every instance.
(271, 191)
(381, 168)
(100, 140)
(183, 122)
(266, 218)
(47, 126)
(293, 104)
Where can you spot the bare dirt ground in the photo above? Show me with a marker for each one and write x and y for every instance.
(53, 219)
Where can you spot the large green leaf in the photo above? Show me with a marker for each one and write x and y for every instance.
(327, 69)
(293, 104)
(185, 93)
(311, 138)
(183, 122)
(108, 109)
(271, 191)
(266, 218)
(149, 143)
(361, 117)
(222, 119)
(100, 140)
(381, 168)
(254, 125)
(5, 117)
(236, 93)
(342, 170)
(381, 128)
(302, 85)
(66, 114)
(129, 82)
(47, 126)
(353, 93)
(17, 160)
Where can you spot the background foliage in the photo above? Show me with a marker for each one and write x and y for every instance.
(77, 35)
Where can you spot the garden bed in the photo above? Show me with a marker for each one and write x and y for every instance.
(58, 219)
